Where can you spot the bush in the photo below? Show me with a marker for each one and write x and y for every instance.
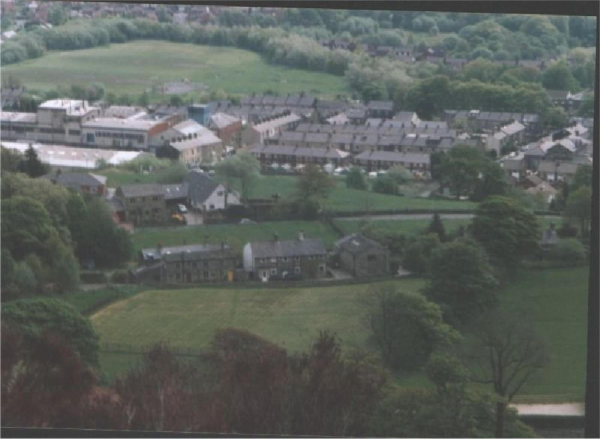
(385, 185)
(355, 179)
(120, 277)
(568, 252)
(566, 230)
(93, 277)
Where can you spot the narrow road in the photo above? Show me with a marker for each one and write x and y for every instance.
(565, 409)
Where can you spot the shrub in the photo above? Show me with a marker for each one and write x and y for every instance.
(93, 277)
(566, 230)
(568, 252)
(120, 277)
(385, 185)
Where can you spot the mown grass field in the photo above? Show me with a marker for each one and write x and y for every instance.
(404, 227)
(415, 226)
(236, 235)
(556, 300)
(342, 199)
(132, 67)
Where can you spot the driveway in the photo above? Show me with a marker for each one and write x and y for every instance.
(193, 218)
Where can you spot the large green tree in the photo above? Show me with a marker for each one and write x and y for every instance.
(507, 230)
(579, 208)
(460, 169)
(34, 317)
(406, 327)
(26, 226)
(243, 168)
(462, 281)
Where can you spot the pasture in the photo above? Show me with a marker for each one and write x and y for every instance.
(343, 199)
(556, 300)
(131, 68)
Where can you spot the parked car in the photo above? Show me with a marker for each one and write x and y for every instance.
(247, 221)
(179, 218)
(181, 208)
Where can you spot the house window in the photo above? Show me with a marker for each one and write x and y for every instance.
(321, 268)
(211, 207)
(273, 271)
(273, 260)
(296, 258)
(297, 270)
(311, 257)
(285, 259)
(220, 193)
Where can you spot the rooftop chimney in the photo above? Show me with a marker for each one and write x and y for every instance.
(301, 235)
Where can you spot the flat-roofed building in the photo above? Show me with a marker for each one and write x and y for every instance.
(68, 157)
(110, 132)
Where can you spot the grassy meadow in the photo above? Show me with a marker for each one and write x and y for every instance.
(343, 199)
(292, 317)
(131, 68)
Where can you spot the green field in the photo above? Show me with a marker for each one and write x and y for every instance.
(132, 67)
(342, 199)
(404, 227)
(292, 317)
(236, 235)
(416, 226)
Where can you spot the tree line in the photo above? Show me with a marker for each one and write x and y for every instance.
(48, 231)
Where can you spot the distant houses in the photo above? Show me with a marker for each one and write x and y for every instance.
(276, 259)
(87, 183)
(187, 264)
(361, 256)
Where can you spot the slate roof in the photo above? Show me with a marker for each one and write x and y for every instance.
(188, 252)
(562, 168)
(381, 105)
(141, 190)
(222, 120)
(390, 156)
(278, 249)
(357, 243)
(175, 191)
(200, 186)
(76, 179)
(297, 151)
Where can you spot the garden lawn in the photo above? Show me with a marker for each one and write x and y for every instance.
(131, 68)
(236, 235)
